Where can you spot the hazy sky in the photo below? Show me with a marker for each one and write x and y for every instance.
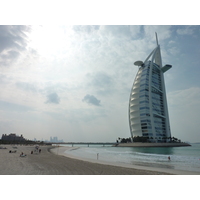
(74, 82)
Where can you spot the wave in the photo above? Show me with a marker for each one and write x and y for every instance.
(142, 156)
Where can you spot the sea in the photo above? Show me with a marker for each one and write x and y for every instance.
(181, 158)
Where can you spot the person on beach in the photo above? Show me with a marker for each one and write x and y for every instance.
(22, 155)
(169, 158)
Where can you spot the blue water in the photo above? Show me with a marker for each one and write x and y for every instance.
(182, 158)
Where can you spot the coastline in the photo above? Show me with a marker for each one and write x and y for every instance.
(53, 161)
(140, 144)
(48, 163)
(61, 151)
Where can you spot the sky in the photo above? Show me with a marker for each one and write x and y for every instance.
(74, 81)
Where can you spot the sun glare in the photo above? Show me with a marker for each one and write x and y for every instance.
(49, 40)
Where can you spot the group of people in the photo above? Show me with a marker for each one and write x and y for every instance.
(36, 150)
(12, 151)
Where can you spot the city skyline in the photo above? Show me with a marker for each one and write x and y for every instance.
(74, 81)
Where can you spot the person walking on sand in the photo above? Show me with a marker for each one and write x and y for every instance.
(169, 158)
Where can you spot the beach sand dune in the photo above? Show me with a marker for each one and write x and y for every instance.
(47, 163)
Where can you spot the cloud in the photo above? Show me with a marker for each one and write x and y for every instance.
(3, 79)
(185, 98)
(100, 82)
(53, 98)
(90, 99)
(120, 31)
(13, 40)
(13, 107)
(26, 86)
(87, 28)
(163, 32)
(184, 109)
(186, 30)
(109, 31)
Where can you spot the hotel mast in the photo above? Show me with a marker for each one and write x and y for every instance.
(148, 112)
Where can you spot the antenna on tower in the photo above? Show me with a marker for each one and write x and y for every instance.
(156, 38)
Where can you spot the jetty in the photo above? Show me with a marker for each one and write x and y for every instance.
(147, 144)
(84, 143)
(128, 144)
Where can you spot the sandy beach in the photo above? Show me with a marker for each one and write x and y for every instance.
(51, 161)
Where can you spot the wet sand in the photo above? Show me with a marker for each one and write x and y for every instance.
(161, 170)
(48, 163)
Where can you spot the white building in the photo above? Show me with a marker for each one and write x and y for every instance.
(148, 112)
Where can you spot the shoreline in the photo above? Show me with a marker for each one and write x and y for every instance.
(140, 144)
(61, 151)
(53, 161)
(48, 163)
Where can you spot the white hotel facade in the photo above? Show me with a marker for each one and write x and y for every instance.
(148, 112)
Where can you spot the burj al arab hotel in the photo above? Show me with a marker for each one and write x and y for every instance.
(148, 112)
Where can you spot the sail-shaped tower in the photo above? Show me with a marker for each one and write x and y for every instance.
(148, 111)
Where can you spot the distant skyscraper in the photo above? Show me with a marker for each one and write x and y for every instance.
(148, 112)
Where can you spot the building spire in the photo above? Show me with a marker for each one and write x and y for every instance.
(156, 38)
